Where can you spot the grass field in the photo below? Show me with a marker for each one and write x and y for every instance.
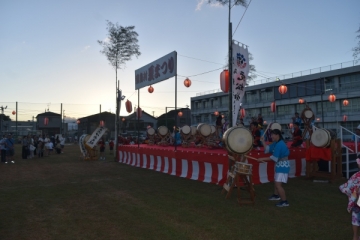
(63, 197)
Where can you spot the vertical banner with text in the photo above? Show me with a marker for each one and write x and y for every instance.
(240, 72)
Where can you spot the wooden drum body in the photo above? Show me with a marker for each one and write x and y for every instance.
(238, 140)
(204, 129)
(163, 131)
(322, 137)
(243, 168)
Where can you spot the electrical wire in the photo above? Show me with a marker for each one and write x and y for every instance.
(200, 59)
(242, 16)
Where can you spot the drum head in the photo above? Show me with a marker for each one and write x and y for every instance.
(213, 129)
(186, 129)
(238, 140)
(308, 114)
(163, 130)
(193, 130)
(275, 126)
(321, 138)
(151, 131)
(204, 129)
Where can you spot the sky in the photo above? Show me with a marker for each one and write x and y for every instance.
(49, 52)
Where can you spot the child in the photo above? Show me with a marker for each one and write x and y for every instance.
(102, 149)
(352, 190)
(111, 146)
(280, 154)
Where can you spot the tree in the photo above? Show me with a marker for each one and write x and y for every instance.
(235, 2)
(5, 117)
(356, 49)
(119, 47)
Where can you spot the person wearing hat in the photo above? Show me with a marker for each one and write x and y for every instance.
(352, 190)
(297, 135)
(280, 153)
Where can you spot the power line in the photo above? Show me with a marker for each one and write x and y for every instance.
(242, 17)
(202, 73)
(200, 59)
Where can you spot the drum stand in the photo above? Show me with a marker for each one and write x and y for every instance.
(164, 140)
(186, 139)
(235, 179)
(307, 122)
(151, 139)
(335, 163)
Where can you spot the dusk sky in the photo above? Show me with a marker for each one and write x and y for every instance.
(49, 52)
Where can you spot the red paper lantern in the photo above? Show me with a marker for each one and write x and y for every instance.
(123, 119)
(128, 106)
(291, 125)
(138, 112)
(332, 98)
(102, 123)
(224, 81)
(345, 102)
(242, 113)
(345, 118)
(301, 101)
(180, 114)
(282, 89)
(216, 113)
(13, 112)
(187, 82)
(273, 106)
(150, 89)
(46, 121)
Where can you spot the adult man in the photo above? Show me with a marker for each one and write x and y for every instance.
(296, 119)
(9, 144)
(3, 149)
(297, 136)
(256, 135)
(62, 143)
(260, 120)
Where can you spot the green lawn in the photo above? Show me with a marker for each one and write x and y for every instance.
(63, 197)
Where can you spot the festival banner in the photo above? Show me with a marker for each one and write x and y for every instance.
(95, 137)
(157, 71)
(82, 145)
(240, 72)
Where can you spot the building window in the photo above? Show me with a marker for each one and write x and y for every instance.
(206, 118)
(198, 119)
(352, 108)
(349, 81)
(285, 110)
(329, 108)
(267, 95)
(329, 84)
(266, 112)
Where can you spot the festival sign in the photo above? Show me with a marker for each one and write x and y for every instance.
(157, 71)
(240, 72)
(82, 145)
(95, 137)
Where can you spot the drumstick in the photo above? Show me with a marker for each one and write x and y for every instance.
(258, 159)
(266, 130)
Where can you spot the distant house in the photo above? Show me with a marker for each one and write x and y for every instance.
(131, 122)
(87, 125)
(168, 119)
(49, 123)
